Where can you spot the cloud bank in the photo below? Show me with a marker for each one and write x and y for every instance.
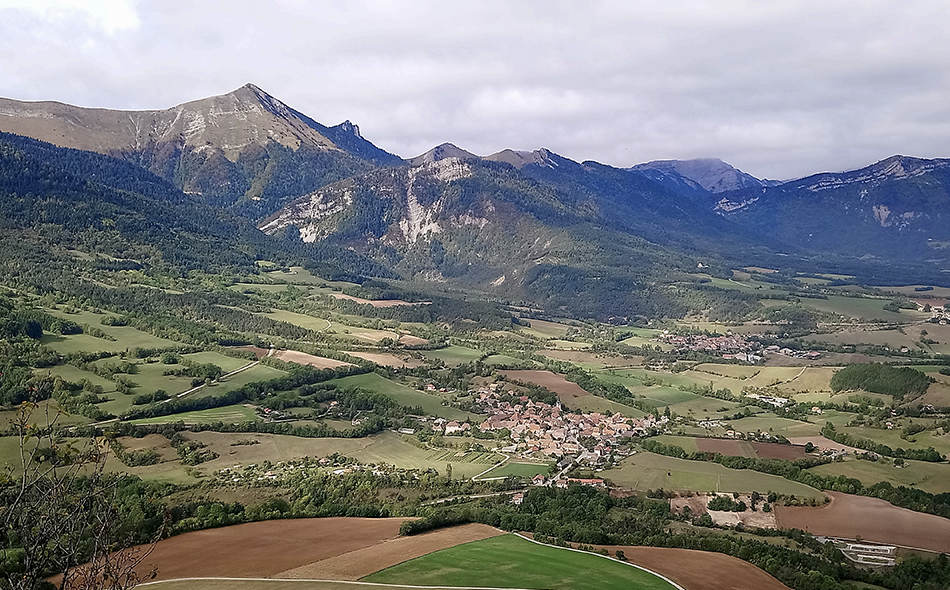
(778, 89)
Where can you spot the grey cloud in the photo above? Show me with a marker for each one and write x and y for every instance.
(779, 89)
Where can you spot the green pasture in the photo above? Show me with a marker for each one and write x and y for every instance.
(892, 438)
(227, 414)
(526, 470)
(301, 276)
(75, 375)
(260, 584)
(453, 355)
(543, 329)
(431, 403)
(720, 328)
(125, 336)
(264, 287)
(593, 403)
(740, 372)
(393, 449)
(768, 422)
(632, 378)
(641, 341)
(746, 286)
(649, 471)
(503, 359)
(687, 443)
(227, 363)
(928, 477)
(863, 308)
(893, 339)
(386, 447)
(252, 375)
(308, 322)
(569, 345)
(512, 562)
(910, 292)
(659, 396)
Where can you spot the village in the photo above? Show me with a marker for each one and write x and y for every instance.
(545, 429)
(732, 347)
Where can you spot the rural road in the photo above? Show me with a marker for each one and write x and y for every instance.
(225, 376)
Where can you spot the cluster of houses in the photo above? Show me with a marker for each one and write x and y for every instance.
(728, 344)
(541, 428)
(733, 347)
(778, 402)
(799, 354)
(939, 309)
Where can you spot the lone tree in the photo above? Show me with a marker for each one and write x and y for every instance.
(58, 512)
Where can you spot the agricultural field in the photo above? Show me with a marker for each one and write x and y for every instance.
(504, 360)
(593, 403)
(870, 519)
(385, 447)
(892, 438)
(645, 471)
(768, 422)
(263, 287)
(567, 391)
(124, 340)
(387, 360)
(431, 403)
(909, 290)
(569, 345)
(527, 470)
(263, 549)
(933, 478)
(453, 355)
(864, 308)
(510, 561)
(742, 282)
(591, 360)
(299, 319)
(700, 570)
(543, 329)
(226, 414)
(318, 362)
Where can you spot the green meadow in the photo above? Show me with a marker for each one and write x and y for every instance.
(512, 562)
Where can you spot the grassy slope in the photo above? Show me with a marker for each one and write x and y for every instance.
(649, 471)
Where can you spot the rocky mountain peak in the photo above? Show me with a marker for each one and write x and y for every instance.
(712, 174)
(519, 159)
(441, 152)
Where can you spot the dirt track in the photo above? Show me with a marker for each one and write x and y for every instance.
(263, 549)
(855, 517)
(363, 562)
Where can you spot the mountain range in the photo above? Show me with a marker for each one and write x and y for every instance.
(522, 224)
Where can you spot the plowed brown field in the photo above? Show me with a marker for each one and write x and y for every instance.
(363, 562)
(701, 570)
(302, 358)
(264, 549)
(859, 517)
(565, 389)
(777, 451)
(725, 446)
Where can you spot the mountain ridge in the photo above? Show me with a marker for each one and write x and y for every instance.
(244, 149)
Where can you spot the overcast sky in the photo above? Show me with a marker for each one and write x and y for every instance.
(779, 89)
